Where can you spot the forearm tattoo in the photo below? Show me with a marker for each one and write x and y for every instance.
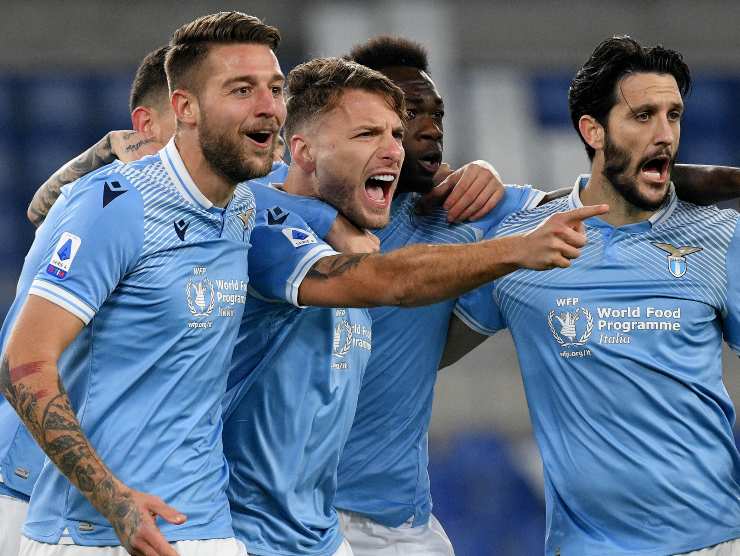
(51, 420)
(329, 267)
(93, 158)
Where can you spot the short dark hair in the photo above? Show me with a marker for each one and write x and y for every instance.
(388, 51)
(190, 43)
(315, 87)
(150, 82)
(593, 91)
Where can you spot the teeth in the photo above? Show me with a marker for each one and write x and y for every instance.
(384, 177)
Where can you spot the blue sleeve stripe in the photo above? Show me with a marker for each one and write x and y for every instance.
(471, 323)
(63, 298)
(302, 268)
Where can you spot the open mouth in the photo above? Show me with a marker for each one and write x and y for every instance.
(262, 138)
(656, 169)
(430, 161)
(377, 188)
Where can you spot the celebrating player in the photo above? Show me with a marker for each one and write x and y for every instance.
(621, 352)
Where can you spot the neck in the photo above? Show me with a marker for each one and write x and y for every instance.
(298, 182)
(213, 185)
(599, 190)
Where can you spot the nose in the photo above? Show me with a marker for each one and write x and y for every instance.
(392, 150)
(267, 105)
(666, 132)
(431, 130)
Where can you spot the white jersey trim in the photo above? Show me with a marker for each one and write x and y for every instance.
(302, 268)
(471, 323)
(180, 176)
(64, 299)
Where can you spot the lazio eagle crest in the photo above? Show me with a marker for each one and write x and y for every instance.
(677, 257)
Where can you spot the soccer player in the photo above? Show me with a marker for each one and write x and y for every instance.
(296, 372)
(212, 144)
(621, 352)
(130, 302)
(152, 117)
(383, 491)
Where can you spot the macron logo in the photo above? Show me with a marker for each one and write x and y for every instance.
(180, 228)
(111, 192)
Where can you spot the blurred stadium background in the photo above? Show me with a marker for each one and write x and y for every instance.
(503, 69)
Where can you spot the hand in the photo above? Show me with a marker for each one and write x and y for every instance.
(128, 146)
(557, 240)
(468, 193)
(134, 521)
(347, 238)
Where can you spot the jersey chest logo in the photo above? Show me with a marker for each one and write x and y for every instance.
(677, 257)
(569, 330)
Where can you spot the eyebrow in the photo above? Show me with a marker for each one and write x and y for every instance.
(411, 98)
(276, 77)
(652, 106)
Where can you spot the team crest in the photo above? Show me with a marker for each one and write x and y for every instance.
(201, 297)
(245, 217)
(571, 328)
(677, 257)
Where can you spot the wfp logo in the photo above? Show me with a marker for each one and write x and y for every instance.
(571, 329)
(201, 297)
(342, 338)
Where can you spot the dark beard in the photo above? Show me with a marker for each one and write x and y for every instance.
(616, 163)
(226, 159)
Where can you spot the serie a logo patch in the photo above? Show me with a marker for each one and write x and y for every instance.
(63, 255)
(299, 237)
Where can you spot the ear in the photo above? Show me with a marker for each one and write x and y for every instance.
(592, 132)
(185, 107)
(142, 120)
(301, 153)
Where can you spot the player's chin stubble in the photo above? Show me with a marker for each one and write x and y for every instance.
(226, 157)
(616, 163)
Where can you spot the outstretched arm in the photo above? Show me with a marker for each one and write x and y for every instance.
(706, 185)
(423, 274)
(122, 145)
(30, 381)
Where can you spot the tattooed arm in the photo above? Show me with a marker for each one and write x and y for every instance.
(30, 381)
(423, 274)
(123, 145)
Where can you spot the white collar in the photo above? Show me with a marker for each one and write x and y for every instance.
(180, 176)
(662, 214)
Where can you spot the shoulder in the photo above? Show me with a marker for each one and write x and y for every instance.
(526, 220)
(708, 222)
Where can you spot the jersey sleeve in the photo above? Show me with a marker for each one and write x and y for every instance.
(731, 322)
(516, 198)
(90, 244)
(479, 310)
(317, 214)
(283, 251)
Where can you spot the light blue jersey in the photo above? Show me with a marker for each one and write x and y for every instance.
(293, 389)
(621, 360)
(383, 470)
(21, 459)
(159, 277)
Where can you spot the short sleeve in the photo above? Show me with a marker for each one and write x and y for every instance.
(90, 244)
(515, 199)
(479, 310)
(731, 322)
(283, 251)
(318, 215)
